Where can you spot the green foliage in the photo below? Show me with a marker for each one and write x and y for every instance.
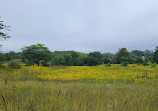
(106, 60)
(133, 66)
(155, 56)
(145, 62)
(80, 61)
(1, 65)
(69, 58)
(153, 65)
(45, 64)
(147, 54)
(15, 55)
(78, 58)
(3, 27)
(59, 60)
(3, 36)
(139, 60)
(108, 55)
(108, 64)
(14, 65)
(2, 57)
(94, 59)
(137, 53)
(124, 63)
(8, 57)
(132, 60)
(36, 54)
(121, 56)
(124, 59)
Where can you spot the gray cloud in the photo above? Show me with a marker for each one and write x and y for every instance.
(81, 25)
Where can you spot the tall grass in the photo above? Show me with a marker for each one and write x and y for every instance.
(51, 96)
(25, 92)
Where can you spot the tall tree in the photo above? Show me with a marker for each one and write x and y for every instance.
(68, 59)
(94, 58)
(155, 56)
(35, 54)
(137, 53)
(121, 56)
(3, 27)
(59, 60)
(3, 36)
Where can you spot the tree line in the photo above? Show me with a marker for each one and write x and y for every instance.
(41, 55)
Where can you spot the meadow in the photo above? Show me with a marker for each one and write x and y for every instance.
(79, 88)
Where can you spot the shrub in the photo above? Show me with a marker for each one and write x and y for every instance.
(145, 63)
(52, 63)
(28, 63)
(1, 65)
(134, 66)
(153, 65)
(106, 61)
(108, 64)
(45, 64)
(138, 63)
(124, 63)
(14, 65)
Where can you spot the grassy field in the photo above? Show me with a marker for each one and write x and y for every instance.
(79, 88)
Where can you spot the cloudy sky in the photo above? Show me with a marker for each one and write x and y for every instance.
(81, 25)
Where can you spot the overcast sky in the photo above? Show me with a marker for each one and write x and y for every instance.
(81, 25)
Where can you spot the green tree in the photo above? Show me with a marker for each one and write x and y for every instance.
(8, 57)
(15, 55)
(94, 58)
(137, 53)
(107, 55)
(155, 56)
(92, 61)
(74, 57)
(74, 54)
(79, 61)
(59, 60)
(2, 59)
(68, 59)
(3, 27)
(106, 60)
(36, 54)
(145, 62)
(78, 58)
(3, 36)
(121, 56)
(139, 60)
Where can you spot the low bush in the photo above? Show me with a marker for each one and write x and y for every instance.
(14, 65)
(124, 63)
(108, 64)
(153, 65)
(1, 65)
(145, 63)
(134, 66)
